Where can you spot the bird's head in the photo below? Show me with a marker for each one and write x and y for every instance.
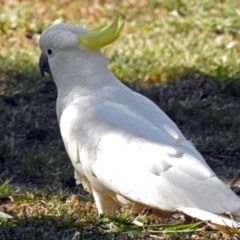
(61, 36)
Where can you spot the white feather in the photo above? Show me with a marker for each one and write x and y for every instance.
(211, 217)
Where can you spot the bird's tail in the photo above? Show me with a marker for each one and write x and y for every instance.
(212, 218)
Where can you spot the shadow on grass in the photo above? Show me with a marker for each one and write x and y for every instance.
(205, 108)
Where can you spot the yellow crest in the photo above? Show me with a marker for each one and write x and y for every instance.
(101, 36)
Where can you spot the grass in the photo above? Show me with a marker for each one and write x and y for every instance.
(184, 55)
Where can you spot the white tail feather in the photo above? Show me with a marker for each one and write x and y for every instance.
(211, 217)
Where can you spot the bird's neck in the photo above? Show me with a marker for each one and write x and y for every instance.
(79, 77)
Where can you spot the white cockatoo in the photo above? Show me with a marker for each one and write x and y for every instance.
(124, 149)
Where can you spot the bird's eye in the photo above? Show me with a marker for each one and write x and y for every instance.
(49, 51)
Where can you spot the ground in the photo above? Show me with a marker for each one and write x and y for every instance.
(182, 55)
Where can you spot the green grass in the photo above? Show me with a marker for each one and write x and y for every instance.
(184, 55)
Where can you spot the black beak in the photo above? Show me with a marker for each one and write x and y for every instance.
(43, 65)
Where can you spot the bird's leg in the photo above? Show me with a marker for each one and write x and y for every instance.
(105, 204)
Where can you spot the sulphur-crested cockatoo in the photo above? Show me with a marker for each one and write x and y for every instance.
(124, 149)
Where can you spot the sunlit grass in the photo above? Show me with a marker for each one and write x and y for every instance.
(66, 213)
(167, 39)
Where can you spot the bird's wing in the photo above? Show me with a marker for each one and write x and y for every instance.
(138, 105)
(120, 151)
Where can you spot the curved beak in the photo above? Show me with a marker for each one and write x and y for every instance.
(43, 64)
